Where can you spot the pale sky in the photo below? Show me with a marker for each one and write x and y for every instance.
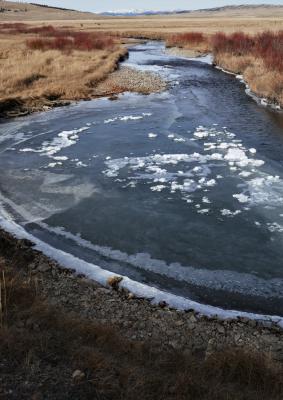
(106, 5)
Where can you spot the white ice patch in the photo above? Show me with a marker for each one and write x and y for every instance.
(199, 171)
(245, 174)
(81, 164)
(226, 212)
(201, 134)
(53, 164)
(62, 140)
(206, 200)
(126, 118)
(275, 227)
(60, 158)
(203, 211)
(158, 188)
(242, 198)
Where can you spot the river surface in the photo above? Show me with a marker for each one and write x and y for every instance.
(181, 190)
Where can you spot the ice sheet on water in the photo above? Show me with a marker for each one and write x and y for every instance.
(140, 289)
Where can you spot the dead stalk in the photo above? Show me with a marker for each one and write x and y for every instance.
(4, 295)
(1, 306)
(3, 300)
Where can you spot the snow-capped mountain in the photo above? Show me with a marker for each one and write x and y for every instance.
(140, 12)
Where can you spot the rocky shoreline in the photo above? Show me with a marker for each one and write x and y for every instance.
(136, 318)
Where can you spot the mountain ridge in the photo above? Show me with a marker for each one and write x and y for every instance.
(141, 12)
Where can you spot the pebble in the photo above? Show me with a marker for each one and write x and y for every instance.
(78, 375)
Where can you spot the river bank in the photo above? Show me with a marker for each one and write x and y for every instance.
(50, 67)
(122, 80)
(38, 296)
(256, 58)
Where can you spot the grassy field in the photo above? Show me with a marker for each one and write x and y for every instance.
(19, 11)
(248, 19)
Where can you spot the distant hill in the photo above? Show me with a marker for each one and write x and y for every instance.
(244, 9)
(21, 11)
(135, 12)
(231, 10)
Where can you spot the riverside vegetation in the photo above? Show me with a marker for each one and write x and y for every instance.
(43, 67)
(259, 58)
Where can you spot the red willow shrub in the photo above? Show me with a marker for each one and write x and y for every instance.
(267, 45)
(236, 43)
(65, 40)
(72, 41)
(50, 44)
(270, 49)
(185, 38)
(14, 28)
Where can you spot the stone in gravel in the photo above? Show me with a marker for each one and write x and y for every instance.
(114, 281)
(78, 375)
(221, 329)
(193, 318)
(162, 304)
(102, 291)
(237, 337)
(44, 267)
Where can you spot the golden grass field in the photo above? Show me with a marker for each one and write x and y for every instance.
(33, 78)
(27, 72)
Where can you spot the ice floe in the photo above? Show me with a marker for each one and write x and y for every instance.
(126, 118)
(198, 171)
(62, 140)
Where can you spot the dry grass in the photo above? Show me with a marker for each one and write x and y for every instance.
(42, 345)
(18, 11)
(66, 72)
(189, 40)
(161, 26)
(263, 81)
(259, 58)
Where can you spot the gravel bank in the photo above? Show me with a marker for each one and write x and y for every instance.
(136, 318)
(128, 79)
(181, 52)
